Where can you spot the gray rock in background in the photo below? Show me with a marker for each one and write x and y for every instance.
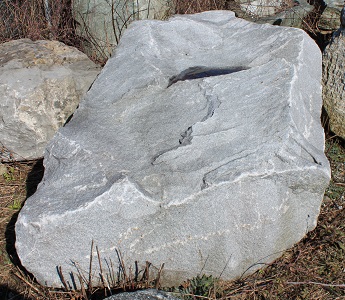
(149, 294)
(262, 8)
(275, 12)
(330, 17)
(103, 22)
(292, 16)
(41, 84)
(334, 3)
(329, 20)
(198, 146)
(334, 82)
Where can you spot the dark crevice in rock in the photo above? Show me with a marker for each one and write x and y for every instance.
(186, 137)
(202, 72)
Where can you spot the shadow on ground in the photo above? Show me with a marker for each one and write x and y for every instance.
(33, 179)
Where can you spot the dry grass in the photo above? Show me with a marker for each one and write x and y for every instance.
(196, 6)
(29, 19)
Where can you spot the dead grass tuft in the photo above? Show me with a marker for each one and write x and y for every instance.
(32, 19)
(197, 6)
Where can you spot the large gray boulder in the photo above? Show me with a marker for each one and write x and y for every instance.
(334, 81)
(41, 84)
(198, 146)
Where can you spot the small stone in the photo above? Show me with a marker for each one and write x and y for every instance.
(149, 294)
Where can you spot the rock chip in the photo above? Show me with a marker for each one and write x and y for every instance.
(41, 84)
(334, 82)
(198, 146)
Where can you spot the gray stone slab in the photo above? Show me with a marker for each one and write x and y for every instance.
(198, 146)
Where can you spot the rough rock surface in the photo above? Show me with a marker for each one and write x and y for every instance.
(143, 295)
(334, 82)
(198, 146)
(41, 84)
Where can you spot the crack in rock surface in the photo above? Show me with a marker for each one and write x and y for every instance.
(212, 104)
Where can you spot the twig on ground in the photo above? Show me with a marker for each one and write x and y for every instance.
(318, 283)
(122, 268)
(159, 276)
(103, 279)
(62, 278)
(83, 292)
(21, 276)
(89, 285)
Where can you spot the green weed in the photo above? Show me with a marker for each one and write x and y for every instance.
(16, 204)
(9, 175)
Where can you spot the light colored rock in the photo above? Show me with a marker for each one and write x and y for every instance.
(103, 22)
(143, 295)
(210, 174)
(41, 84)
(334, 82)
